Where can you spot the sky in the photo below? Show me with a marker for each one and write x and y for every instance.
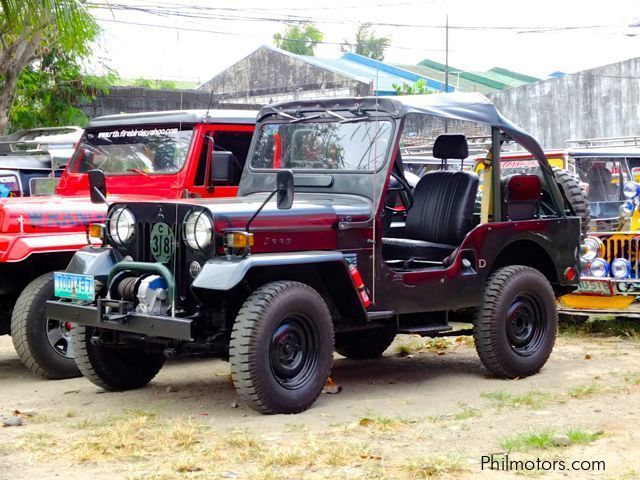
(193, 40)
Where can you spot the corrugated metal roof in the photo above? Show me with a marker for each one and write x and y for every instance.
(460, 83)
(382, 75)
(496, 79)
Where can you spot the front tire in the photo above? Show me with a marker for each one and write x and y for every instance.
(281, 347)
(115, 367)
(515, 326)
(43, 345)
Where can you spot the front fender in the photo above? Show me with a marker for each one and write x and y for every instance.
(17, 247)
(223, 273)
(95, 261)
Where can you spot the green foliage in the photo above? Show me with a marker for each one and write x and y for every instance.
(419, 87)
(367, 43)
(154, 84)
(49, 91)
(300, 38)
(34, 33)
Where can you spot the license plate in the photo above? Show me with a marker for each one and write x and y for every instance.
(74, 286)
(596, 287)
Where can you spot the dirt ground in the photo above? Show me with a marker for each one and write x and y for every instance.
(427, 409)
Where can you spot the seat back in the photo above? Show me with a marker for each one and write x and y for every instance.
(521, 196)
(443, 203)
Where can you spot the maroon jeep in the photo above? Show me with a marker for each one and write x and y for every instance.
(328, 247)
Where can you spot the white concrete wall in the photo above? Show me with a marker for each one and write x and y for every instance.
(601, 102)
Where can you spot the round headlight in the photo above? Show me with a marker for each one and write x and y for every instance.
(121, 225)
(198, 230)
(591, 248)
(627, 208)
(631, 189)
(621, 268)
(599, 268)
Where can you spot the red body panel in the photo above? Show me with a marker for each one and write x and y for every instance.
(58, 223)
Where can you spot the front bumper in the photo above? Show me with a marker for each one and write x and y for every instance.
(143, 324)
(612, 297)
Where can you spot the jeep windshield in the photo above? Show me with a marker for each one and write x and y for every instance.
(133, 150)
(322, 145)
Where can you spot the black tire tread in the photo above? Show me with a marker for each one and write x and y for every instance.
(484, 318)
(94, 370)
(576, 197)
(242, 345)
(19, 335)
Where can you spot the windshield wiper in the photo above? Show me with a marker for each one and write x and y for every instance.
(139, 172)
(346, 120)
(302, 119)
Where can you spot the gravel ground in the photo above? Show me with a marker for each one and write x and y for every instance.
(427, 409)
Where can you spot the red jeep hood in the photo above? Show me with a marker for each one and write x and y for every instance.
(48, 214)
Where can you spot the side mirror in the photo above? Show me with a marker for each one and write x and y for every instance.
(222, 164)
(97, 186)
(284, 182)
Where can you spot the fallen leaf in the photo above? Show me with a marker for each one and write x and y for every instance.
(364, 422)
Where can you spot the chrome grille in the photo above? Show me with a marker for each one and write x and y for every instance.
(622, 246)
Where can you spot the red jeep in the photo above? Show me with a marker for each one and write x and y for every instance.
(275, 286)
(158, 155)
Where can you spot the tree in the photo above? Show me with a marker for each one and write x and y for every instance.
(367, 43)
(29, 29)
(299, 38)
(49, 90)
(419, 87)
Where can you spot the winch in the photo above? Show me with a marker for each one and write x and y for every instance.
(149, 291)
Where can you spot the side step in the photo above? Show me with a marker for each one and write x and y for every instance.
(426, 330)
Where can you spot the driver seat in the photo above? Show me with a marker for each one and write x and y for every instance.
(442, 211)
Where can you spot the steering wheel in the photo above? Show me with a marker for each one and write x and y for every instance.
(405, 192)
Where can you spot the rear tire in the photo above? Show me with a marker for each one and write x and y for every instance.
(576, 197)
(115, 367)
(281, 347)
(43, 345)
(515, 326)
(365, 345)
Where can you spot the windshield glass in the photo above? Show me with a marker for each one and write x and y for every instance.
(149, 150)
(604, 178)
(308, 145)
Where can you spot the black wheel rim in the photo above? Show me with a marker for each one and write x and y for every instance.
(59, 338)
(293, 351)
(526, 325)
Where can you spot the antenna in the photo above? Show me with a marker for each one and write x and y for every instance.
(206, 115)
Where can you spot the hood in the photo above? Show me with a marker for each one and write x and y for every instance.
(48, 214)
(310, 224)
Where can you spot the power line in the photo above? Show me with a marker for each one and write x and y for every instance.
(237, 34)
(255, 15)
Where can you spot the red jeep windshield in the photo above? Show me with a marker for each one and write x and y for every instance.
(310, 145)
(126, 150)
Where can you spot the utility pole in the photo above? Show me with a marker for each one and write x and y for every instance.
(446, 66)
(446, 55)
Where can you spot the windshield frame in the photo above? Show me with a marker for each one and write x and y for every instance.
(72, 167)
(310, 171)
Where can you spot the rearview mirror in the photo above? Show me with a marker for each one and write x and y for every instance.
(221, 167)
(284, 182)
(97, 186)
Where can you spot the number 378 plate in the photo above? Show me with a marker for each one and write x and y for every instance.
(74, 286)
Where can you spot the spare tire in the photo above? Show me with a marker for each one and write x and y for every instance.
(576, 197)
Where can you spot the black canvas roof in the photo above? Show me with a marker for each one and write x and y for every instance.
(472, 107)
(175, 117)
